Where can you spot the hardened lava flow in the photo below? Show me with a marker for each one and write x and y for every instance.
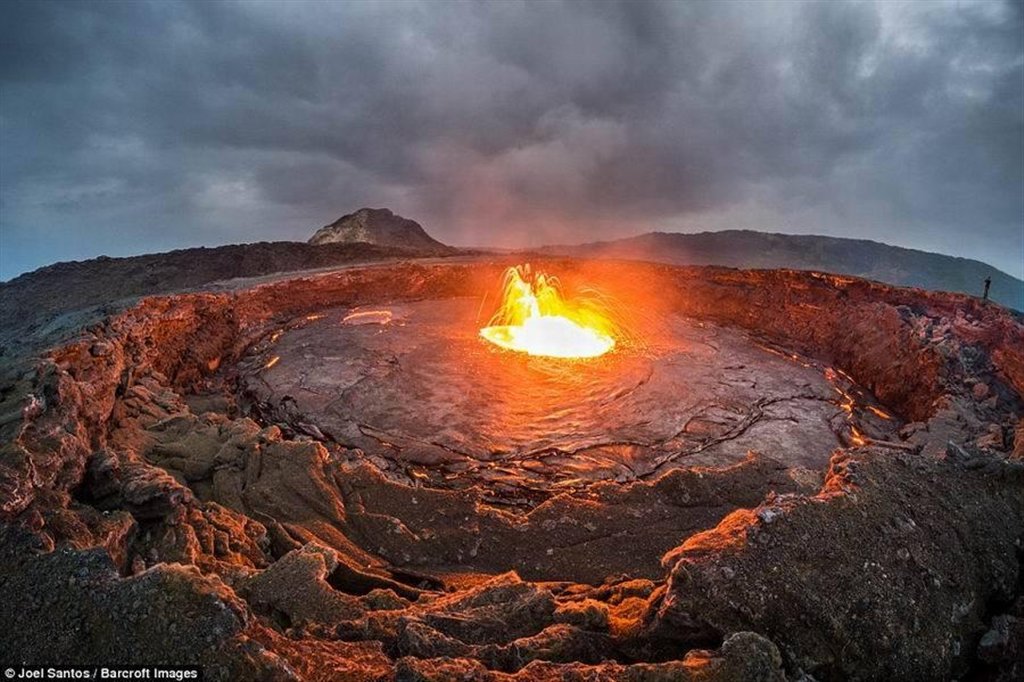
(472, 469)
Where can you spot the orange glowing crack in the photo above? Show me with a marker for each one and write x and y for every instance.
(879, 413)
(535, 319)
(368, 317)
(272, 361)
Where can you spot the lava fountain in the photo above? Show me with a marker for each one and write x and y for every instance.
(534, 318)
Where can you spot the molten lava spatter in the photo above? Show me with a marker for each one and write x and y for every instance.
(534, 318)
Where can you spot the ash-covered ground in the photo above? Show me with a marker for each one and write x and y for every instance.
(778, 475)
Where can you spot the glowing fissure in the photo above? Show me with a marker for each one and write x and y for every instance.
(535, 319)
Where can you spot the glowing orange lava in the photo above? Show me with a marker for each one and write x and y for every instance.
(535, 319)
(367, 317)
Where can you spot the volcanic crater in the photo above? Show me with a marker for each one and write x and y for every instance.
(772, 474)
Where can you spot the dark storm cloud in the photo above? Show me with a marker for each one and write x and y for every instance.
(133, 127)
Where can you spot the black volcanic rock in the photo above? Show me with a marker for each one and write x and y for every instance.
(858, 257)
(377, 226)
(875, 523)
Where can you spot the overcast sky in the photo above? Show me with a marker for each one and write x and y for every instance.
(135, 127)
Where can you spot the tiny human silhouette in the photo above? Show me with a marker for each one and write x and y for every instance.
(988, 283)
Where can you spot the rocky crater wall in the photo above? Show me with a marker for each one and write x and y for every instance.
(135, 494)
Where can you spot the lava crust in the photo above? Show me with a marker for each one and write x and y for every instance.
(776, 474)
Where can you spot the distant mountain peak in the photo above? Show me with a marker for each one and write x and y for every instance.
(859, 257)
(378, 226)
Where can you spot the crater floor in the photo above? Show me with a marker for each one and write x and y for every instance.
(415, 388)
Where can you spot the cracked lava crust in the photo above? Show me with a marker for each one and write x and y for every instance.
(416, 391)
(333, 476)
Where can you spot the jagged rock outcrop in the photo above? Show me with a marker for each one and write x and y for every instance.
(912, 551)
(381, 227)
(92, 616)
